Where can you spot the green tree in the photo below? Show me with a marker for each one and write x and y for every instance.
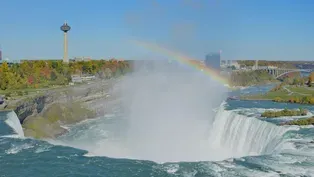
(311, 79)
(58, 66)
(25, 69)
(306, 99)
(4, 77)
(5, 67)
(295, 81)
(53, 76)
(87, 67)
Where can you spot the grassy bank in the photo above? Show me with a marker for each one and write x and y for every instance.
(48, 124)
(286, 93)
(301, 122)
(285, 112)
(249, 78)
(266, 96)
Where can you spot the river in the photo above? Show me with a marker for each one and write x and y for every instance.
(238, 143)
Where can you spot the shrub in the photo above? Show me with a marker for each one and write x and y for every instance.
(285, 112)
(20, 93)
(278, 99)
(8, 94)
(300, 122)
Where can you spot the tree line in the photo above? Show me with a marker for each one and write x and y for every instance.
(300, 122)
(285, 112)
(296, 82)
(279, 64)
(250, 78)
(41, 73)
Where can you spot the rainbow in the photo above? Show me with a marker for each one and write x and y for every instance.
(214, 74)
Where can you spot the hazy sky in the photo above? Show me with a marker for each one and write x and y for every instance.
(243, 29)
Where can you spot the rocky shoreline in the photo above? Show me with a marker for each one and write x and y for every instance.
(44, 115)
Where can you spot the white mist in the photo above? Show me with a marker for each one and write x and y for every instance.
(169, 110)
(168, 116)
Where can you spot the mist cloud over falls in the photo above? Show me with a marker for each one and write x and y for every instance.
(169, 111)
(165, 113)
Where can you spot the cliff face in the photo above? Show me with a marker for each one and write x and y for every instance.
(33, 106)
(48, 124)
(42, 116)
(250, 78)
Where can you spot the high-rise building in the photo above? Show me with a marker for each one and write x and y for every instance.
(212, 60)
(229, 63)
(0, 54)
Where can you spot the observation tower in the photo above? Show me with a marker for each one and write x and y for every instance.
(65, 28)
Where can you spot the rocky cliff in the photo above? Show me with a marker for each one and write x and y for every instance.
(33, 106)
(43, 115)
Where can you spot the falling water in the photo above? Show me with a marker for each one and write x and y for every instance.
(243, 136)
(14, 122)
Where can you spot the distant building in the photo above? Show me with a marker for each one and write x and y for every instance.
(80, 79)
(235, 64)
(8, 61)
(230, 62)
(223, 62)
(0, 54)
(212, 60)
(272, 67)
(88, 78)
(76, 79)
(34, 60)
(75, 59)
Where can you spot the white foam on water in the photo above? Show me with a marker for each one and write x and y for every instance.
(11, 136)
(14, 149)
(43, 148)
(231, 135)
(172, 168)
(67, 127)
(288, 164)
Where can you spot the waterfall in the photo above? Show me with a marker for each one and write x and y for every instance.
(229, 135)
(244, 136)
(14, 122)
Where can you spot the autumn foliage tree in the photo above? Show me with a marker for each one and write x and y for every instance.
(41, 73)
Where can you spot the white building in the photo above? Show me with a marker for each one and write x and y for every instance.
(88, 78)
(235, 64)
(80, 79)
(81, 59)
(76, 79)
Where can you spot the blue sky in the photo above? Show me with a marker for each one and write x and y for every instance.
(243, 29)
